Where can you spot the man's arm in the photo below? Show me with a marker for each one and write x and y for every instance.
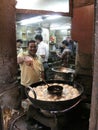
(20, 60)
(42, 75)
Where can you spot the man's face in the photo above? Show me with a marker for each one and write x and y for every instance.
(37, 41)
(32, 48)
(63, 45)
(68, 39)
(18, 44)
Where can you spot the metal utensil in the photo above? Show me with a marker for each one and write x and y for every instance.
(54, 89)
(46, 83)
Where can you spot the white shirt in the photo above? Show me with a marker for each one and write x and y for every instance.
(43, 49)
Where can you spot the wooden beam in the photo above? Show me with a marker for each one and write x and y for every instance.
(81, 3)
(28, 11)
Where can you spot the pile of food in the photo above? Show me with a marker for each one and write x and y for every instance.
(64, 70)
(69, 92)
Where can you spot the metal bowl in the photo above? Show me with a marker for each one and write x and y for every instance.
(63, 70)
(55, 89)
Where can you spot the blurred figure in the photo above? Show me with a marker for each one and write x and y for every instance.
(19, 43)
(65, 55)
(43, 51)
(71, 45)
(61, 48)
(43, 48)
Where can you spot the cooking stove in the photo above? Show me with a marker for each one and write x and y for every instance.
(72, 118)
(51, 116)
(52, 120)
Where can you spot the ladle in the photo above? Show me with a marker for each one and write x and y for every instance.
(54, 89)
(46, 83)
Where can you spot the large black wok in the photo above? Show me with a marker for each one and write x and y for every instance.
(55, 105)
(64, 73)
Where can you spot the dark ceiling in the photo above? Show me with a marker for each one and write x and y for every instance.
(46, 23)
(21, 16)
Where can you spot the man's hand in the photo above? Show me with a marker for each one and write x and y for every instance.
(28, 60)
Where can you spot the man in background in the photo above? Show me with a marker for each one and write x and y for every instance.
(71, 45)
(43, 51)
(19, 43)
(65, 55)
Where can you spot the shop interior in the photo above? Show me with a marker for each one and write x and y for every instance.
(54, 29)
(55, 25)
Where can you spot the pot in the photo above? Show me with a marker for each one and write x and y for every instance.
(64, 73)
(63, 70)
(54, 105)
(55, 90)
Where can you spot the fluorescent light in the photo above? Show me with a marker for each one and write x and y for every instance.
(64, 27)
(38, 19)
(30, 21)
(53, 17)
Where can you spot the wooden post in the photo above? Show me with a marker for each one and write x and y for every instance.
(8, 62)
(93, 122)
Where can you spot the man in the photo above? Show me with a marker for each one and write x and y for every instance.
(66, 54)
(30, 65)
(71, 45)
(19, 42)
(43, 51)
